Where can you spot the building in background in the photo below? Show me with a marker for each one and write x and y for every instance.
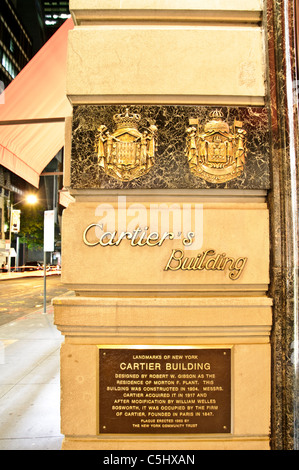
(16, 47)
(16, 50)
(55, 13)
(32, 16)
(25, 26)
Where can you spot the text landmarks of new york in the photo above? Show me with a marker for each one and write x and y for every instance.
(207, 260)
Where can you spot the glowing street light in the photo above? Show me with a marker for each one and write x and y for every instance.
(31, 199)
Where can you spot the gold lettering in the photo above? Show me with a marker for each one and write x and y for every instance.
(138, 237)
(198, 258)
(172, 257)
(191, 264)
(237, 268)
(219, 262)
(169, 235)
(86, 232)
(110, 242)
(153, 237)
(187, 366)
(212, 263)
(122, 236)
(140, 366)
(221, 257)
(143, 237)
(176, 261)
(135, 233)
(189, 239)
(204, 255)
(227, 260)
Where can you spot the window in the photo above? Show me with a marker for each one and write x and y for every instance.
(11, 45)
(8, 65)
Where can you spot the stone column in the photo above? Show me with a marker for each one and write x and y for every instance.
(283, 203)
(167, 245)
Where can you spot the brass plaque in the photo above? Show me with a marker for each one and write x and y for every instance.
(164, 391)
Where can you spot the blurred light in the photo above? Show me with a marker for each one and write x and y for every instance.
(31, 199)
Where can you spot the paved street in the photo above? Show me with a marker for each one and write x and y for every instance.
(19, 297)
(29, 363)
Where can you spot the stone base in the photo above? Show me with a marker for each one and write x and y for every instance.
(241, 324)
(178, 444)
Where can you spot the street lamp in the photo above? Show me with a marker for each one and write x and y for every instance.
(30, 199)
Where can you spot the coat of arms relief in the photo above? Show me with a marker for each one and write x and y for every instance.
(127, 153)
(218, 153)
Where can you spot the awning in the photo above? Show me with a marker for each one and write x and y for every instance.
(34, 110)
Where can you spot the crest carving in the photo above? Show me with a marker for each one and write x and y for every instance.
(217, 154)
(127, 153)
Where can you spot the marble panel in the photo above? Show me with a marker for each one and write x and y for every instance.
(171, 169)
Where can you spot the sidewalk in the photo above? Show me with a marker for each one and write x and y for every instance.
(30, 383)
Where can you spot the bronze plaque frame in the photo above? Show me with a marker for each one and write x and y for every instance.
(160, 390)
